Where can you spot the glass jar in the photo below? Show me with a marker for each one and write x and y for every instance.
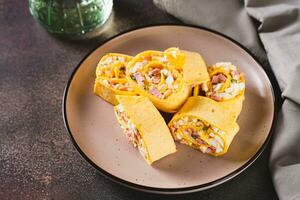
(71, 17)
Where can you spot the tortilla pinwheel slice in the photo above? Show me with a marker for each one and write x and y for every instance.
(111, 77)
(194, 69)
(226, 82)
(205, 125)
(226, 86)
(175, 57)
(150, 74)
(144, 127)
(190, 64)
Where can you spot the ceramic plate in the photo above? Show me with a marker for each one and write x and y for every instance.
(96, 134)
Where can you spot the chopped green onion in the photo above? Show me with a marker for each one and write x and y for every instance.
(205, 128)
(194, 136)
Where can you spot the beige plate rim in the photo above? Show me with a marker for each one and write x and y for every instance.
(272, 83)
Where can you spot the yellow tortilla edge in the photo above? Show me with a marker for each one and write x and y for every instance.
(148, 121)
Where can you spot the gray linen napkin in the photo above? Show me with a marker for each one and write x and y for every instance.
(278, 38)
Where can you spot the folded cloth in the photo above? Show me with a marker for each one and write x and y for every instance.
(278, 34)
(227, 17)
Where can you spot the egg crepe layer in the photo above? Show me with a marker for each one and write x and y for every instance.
(144, 127)
(205, 125)
(111, 77)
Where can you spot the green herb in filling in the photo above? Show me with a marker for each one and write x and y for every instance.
(194, 136)
(146, 87)
(205, 128)
(233, 81)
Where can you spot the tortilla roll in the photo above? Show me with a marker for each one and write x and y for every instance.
(205, 125)
(194, 69)
(226, 82)
(111, 77)
(190, 64)
(151, 74)
(144, 127)
(176, 58)
(226, 85)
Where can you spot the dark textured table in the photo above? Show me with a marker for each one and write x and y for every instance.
(37, 158)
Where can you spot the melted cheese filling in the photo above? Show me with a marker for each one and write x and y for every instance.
(199, 134)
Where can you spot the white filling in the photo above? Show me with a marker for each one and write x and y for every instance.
(234, 88)
(180, 123)
(174, 54)
(232, 91)
(219, 140)
(218, 150)
(120, 108)
(162, 59)
(141, 148)
(135, 139)
(178, 136)
(136, 67)
(109, 60)
(217, 86)
(215, 140)
(227, 65)
(105, 82)
(165, 72)
(204, 149)
(213, 143)
(169, 80)
(204, 87)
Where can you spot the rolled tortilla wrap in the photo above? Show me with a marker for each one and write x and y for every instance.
(226, 82)
(190, 64)
(150, 74)
(144, 127)
(176, 58)
(194, 69)
(205, 125)
(226, 85)
(111, 77)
